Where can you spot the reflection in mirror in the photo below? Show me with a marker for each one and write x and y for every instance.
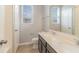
(66, 19)
(55, 17)
(61, 18)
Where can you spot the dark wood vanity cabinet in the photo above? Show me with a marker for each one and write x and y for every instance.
(50, 49)
(41, 45)
(44, 47)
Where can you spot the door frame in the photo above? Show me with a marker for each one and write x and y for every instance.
(13, 43)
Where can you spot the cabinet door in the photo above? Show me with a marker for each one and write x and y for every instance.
(39, 46)
(43, 48)
(50, 49)
(43, 41)
(47, 51)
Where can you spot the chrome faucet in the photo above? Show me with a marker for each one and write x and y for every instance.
(3, 42)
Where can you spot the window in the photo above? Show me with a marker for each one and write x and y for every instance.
(27, 14)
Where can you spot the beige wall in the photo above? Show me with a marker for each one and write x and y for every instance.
(8, 25)
(76, 26)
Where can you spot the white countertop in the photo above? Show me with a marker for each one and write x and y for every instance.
(61, 42)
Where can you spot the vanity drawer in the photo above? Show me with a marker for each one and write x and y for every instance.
(50, 49)
(42, 40)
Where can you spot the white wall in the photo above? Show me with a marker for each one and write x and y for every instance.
(37, 25)
(46, 21)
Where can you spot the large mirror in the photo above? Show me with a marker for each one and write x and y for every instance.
(61, 18)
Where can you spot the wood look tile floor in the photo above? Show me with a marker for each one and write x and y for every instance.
(27, 49)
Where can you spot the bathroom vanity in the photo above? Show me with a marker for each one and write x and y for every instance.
(44, 47)
(57, 42)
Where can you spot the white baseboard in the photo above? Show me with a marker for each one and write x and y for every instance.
(25, 43)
